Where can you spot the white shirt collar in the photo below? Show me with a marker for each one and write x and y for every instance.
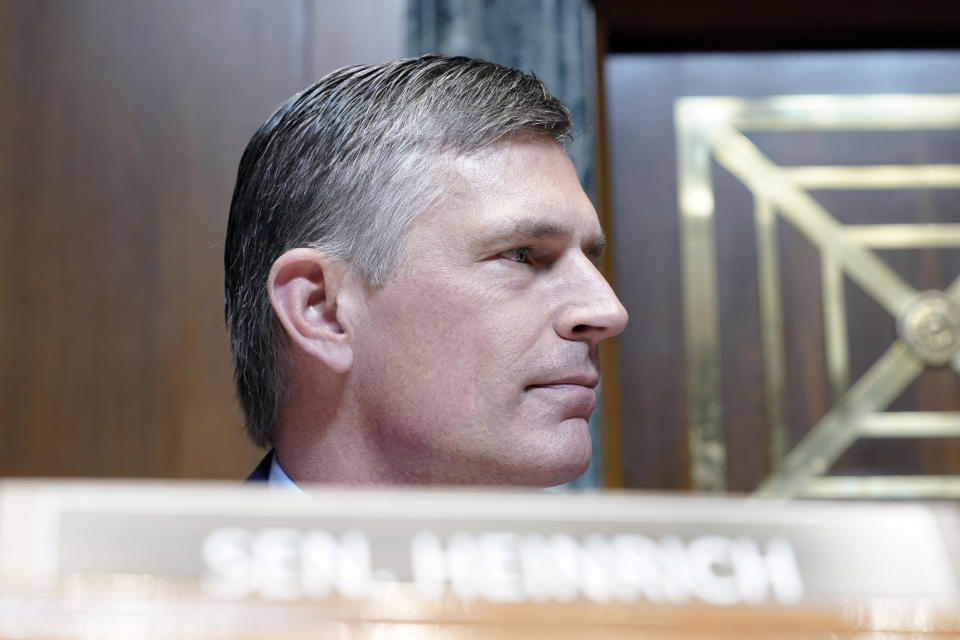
(278, 479)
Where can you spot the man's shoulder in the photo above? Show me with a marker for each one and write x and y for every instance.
(262, 472)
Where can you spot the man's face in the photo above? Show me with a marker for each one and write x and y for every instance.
(476, 361)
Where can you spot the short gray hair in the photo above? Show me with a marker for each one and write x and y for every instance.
(344, 167)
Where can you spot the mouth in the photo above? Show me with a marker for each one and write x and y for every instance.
(585, 380)
(574, 397)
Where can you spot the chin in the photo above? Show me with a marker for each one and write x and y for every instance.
(551, 478)
(563, 466)
(568, 473)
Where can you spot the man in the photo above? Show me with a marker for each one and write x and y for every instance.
(411, 281)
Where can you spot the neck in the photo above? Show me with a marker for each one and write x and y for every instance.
(322, 437)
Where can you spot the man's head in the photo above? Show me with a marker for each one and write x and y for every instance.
(408, 253)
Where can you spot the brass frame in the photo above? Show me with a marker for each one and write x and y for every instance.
(713, 128)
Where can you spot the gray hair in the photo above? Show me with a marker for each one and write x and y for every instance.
(344, 167)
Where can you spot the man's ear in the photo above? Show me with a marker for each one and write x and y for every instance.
(304, 286)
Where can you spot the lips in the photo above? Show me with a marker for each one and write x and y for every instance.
(573, 394)
(579, 380)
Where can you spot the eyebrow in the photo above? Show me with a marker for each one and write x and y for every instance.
(538, 229)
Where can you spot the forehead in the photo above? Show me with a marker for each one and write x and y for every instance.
(520, 185)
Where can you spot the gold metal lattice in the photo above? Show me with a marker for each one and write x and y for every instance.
(928, 323)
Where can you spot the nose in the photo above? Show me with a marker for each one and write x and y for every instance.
(591, 311)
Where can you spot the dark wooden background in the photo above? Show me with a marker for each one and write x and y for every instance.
(121, 127)
(640, 92)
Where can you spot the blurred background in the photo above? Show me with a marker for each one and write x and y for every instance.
(122, 124)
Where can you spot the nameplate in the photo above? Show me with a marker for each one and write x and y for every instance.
(478, 545)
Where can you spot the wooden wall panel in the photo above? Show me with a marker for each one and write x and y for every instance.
(641, 89)
(121, 127)
(355, 32)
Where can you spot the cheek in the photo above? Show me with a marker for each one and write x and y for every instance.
(422, 341)
(468, 343)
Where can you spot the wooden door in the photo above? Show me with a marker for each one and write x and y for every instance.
(755, 319)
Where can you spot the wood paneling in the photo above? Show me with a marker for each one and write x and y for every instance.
(121, 127)
(641, 89)
(355, 32)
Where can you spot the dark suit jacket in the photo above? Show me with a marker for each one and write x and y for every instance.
(262, 472)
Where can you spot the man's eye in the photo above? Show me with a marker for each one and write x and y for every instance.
(520, 254)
